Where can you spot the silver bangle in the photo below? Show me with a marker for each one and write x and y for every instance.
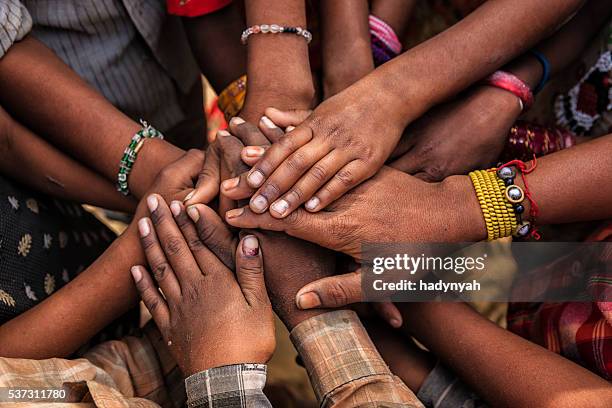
(275, 29)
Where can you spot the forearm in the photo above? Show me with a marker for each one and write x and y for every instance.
(214, 39)
(519, 373)
(565, 45)
(346, 46)
(278, 66)
(465, 53)
(49, 98)
(35, 163)
(63, 322)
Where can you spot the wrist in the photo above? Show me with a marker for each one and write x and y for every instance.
(154, 156)
(463, 219)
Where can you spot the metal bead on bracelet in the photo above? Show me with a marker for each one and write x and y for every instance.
(515, 195)
(275, 29)
(131, 152)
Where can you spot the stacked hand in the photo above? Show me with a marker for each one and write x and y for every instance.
(208, 316)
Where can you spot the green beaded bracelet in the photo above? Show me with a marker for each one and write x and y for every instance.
(131, 152)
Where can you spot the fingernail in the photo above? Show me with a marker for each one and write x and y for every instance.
(223, 133)
(230, 183)
(268, 123)
(236, 120)
(259, 203)
(136, 273)
(289, 128)
(234, 213)
(193, 213)
(312, 203)
(280, 207)
(188, 197)
(175, 207)
(395, 323)
(143, 227)
(254, 151)
(250, 246)
(308, 300)
(255, 178)
(152, 203)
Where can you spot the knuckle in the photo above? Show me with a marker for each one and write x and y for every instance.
(286, 142)
(191, 293)
(270, 189)
(195, 245)
(295, 195)
(318, 173)
(205, 231)
(294, 219)
(152, 303)
(147, 242)
(160, 270)
(345, 178)
(167, 173)
(173, 246)
(337, 294)
(297, 162)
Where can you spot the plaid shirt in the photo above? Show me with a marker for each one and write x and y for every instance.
(344, 367)
(239, 385)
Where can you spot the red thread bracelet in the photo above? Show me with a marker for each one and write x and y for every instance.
(511, 83)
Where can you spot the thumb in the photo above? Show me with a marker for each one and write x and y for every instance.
(287, 118)
(249, 271)
(207, 186)
(331, 292)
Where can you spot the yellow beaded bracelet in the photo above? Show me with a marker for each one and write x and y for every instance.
(498, 213)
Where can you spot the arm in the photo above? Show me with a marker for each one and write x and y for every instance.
(278, 66)
(471, 131)
(52, 172)
(337, 141)
(63, 322)
(214, 40)
(519, 372)
(345, 42)
(396, 13)
(437, 212)
(73, 117)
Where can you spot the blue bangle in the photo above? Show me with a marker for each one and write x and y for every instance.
(545, 67)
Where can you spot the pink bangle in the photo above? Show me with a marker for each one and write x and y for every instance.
(385, 34)
(511, 83)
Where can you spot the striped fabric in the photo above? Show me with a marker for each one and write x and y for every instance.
(131, 51)
(344, 367)
(15, 23)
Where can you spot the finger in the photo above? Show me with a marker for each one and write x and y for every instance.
(307, 186)
(270, 130)
(389, 313)
(248, 133)
(276, 154)
(286, 175)
(250, 155)
(213, 234)
(207, 187)
(287, 118)
(172, 241)
(344, 180)
(231, 148)
(331, 292)
(201, 253)
(249, 271)
(161, 269)
(152, 299)
(409, 163)
(236, 188)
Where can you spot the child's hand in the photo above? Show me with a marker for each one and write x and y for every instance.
(336, 148)
(205, 310)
